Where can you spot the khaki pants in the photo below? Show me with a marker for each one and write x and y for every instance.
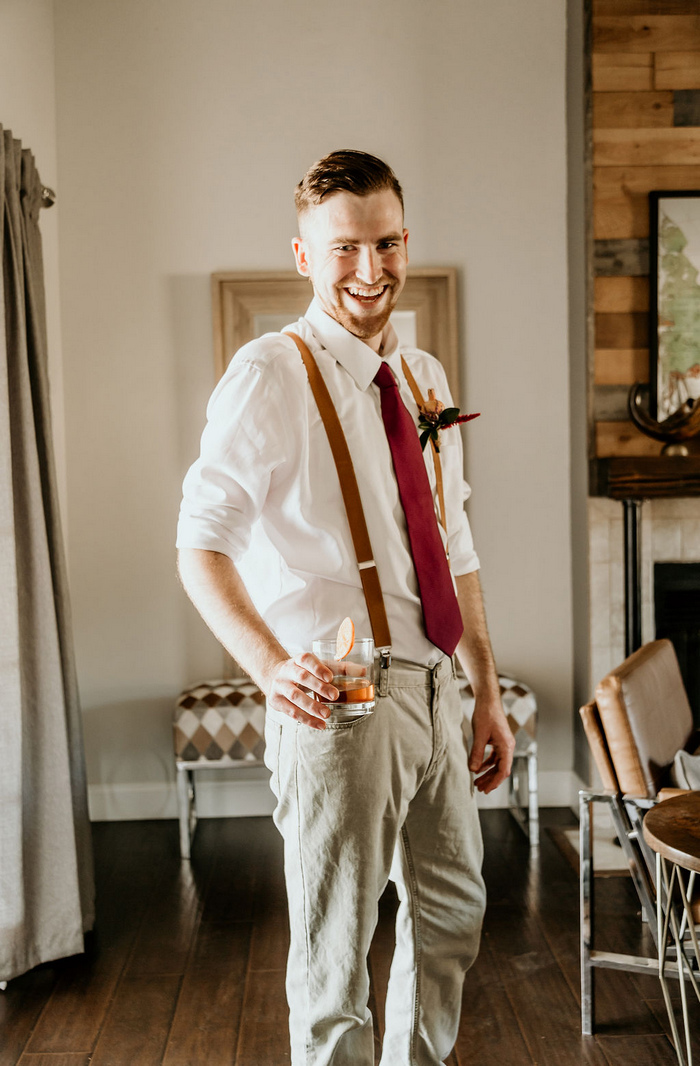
(385, 796)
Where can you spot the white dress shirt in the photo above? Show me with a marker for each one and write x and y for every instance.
(264, 490)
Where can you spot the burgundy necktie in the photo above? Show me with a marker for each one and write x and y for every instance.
(443, 621)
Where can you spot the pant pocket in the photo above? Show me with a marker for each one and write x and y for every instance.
(271, 758)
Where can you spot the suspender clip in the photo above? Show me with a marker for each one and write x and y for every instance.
(384, 664)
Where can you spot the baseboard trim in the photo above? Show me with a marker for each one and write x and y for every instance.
(215, 799)
(135, 801)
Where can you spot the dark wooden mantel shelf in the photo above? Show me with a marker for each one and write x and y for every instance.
(650, 477)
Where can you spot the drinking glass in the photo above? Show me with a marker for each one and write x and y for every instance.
(353, 676)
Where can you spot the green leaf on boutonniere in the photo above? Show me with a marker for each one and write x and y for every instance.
(449, 415)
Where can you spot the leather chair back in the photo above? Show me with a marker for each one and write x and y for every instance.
(640, 719)
(599, 747)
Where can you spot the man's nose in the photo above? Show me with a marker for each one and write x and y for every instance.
(369, 268)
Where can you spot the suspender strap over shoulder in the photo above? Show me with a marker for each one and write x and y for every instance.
(437, 464)
(351, 498)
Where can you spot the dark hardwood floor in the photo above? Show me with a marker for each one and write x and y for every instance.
(186, 967)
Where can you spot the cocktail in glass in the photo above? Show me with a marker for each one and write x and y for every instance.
(353, 676)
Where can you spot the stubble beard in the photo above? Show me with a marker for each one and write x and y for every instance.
(365, 327)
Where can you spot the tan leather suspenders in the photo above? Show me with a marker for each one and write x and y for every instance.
(353, 504)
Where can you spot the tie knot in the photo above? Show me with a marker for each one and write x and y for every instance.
(384, 377)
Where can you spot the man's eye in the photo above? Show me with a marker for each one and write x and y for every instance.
(345, 248)
(389, 244)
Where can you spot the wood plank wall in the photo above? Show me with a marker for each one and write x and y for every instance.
(646, 135)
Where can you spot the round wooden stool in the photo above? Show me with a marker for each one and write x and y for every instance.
(672, 831)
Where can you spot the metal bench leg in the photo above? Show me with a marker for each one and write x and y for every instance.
(186, 809)
(514, 787)
(515, 793)
(533, 799)
(525, 809)
(586, 915)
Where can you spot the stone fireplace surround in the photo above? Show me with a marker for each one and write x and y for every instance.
(670, 533)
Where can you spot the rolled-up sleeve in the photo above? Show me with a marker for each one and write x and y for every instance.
(225, 489)
(463, 557)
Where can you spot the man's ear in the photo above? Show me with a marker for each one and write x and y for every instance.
(405, 242)
(300, 258)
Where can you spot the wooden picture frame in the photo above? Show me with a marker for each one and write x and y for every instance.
(674, 300)
(246, 305)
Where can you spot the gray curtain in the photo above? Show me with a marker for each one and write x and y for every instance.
(46, 878)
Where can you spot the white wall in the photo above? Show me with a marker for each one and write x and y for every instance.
(183, 127)
(28, 109)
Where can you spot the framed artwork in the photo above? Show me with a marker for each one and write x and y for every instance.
(674, 300)
(246, 305)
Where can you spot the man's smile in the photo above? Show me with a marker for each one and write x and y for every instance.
(369, 295)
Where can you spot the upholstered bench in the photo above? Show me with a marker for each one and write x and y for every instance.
(216, 725)
(520, 706)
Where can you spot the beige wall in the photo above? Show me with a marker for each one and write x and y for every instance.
(28, 108)
(182, 128)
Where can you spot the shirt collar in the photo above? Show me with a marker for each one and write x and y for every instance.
(360, 361)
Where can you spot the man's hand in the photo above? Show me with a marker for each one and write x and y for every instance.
(490, 726)
(217, 591)
(291, 680)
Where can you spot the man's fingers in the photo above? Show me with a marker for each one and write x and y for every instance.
(293, 685)
(303, 674)
(309, 682)
(484, 765)
(495, 768)
(309, 662)
(491, 779)
(294, 703)
(299, 715)
(485, 783)
(299, 698)
(310, 673)
(350, 669)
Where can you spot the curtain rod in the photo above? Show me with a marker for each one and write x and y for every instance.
(48, 197)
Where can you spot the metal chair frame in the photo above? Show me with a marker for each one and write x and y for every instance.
(627, 813)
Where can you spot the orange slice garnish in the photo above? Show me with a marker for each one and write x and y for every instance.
(345, 640)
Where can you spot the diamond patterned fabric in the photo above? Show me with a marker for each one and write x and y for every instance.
(520, 706)
(220, 721)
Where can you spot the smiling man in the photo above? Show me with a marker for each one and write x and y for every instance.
(354, 250)
(266, 555)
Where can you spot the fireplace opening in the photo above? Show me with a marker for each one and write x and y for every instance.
(677, 617)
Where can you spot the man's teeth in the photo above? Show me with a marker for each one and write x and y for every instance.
(366, 292)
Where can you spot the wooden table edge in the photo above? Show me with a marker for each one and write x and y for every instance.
(688, 860)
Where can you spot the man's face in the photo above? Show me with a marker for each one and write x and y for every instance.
(354, 250)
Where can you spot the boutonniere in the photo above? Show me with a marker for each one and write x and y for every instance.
(434, 416)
